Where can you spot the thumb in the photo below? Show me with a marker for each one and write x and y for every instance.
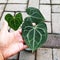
(4, 26)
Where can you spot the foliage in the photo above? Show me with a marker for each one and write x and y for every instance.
(34, 35)
(14, 21)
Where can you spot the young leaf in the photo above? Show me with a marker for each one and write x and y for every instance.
(14, 21)
(34, 36)
(35, 13)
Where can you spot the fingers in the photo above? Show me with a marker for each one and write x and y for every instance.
(13, 49)
(18, 36)
(20, 31)
(22, 46)
(25, 46)
(5, 26)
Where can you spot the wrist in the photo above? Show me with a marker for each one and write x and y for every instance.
(1, 56)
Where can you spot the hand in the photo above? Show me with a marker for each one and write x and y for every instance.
(10, 42)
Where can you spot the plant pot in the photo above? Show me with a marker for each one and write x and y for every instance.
(28, 50)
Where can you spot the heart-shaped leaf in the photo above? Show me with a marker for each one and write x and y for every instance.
(35, 13)
(34, 36)
(14, 21)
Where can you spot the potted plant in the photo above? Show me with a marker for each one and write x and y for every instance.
(34, 29)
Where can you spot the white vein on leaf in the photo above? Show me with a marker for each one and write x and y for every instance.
(28, 27)
(33, 39)
(41, 29)
(28, 35)
(40, 38)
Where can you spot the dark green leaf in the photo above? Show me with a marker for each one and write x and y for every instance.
(14, 21)
(35, 13)
(34, 36)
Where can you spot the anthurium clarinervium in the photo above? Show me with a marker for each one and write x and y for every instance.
(14, 21)
(34, 35)
(34, 30)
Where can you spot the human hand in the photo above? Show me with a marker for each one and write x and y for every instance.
(10, 42)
